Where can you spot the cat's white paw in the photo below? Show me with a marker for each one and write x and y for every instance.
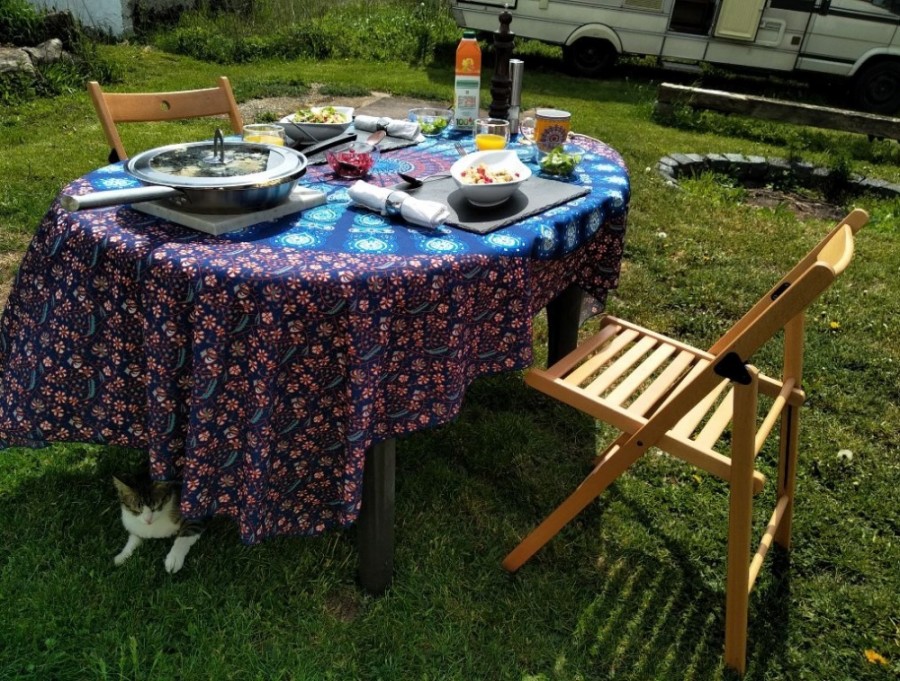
(174, 562)
(133, 542)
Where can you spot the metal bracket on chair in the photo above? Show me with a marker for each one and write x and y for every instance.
(732, 367)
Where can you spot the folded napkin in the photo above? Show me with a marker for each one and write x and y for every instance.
(393, 202)
(408, 130)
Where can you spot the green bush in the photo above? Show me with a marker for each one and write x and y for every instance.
(412, 32)
(20, 24)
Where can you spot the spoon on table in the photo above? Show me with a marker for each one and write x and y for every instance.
(416, 182)
(376, 137)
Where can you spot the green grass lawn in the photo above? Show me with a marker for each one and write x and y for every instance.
(633, 589)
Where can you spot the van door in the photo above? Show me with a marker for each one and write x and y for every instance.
(847, 30)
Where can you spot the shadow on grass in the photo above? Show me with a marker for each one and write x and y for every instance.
(643, 604)
(608, 602)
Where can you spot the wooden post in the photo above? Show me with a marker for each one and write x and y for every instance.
(873, 125)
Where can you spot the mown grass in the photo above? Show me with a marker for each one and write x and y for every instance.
(632, 590)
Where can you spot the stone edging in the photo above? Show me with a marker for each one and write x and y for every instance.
(758, 171)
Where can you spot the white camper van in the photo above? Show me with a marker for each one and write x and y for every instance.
(856, 39)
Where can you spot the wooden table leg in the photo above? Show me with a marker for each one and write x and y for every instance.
(563, 320)
(375, 526)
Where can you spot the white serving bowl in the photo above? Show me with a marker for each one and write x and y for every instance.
(316, 132)
(493, 193)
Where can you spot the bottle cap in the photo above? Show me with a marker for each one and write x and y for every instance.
(469, 33)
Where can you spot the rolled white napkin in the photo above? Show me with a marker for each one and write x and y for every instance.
(392, 201)
(407, 130)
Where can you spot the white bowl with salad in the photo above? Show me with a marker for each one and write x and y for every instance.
(488, 178)
(317, 123)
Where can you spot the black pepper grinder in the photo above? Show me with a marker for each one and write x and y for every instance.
(500, 83)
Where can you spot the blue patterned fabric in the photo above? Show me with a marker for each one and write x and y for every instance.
(259, 366)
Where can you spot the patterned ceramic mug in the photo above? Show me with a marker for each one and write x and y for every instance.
(548, 129)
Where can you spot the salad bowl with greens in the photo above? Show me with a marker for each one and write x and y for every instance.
(561, 161)
(432, 122)
(317, 123)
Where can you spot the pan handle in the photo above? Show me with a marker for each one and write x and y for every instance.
(117, 197)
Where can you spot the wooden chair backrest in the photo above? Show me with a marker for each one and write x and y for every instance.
(785, 300)
(119, 107)
(781, 307)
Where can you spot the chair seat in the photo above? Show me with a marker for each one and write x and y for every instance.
(625, 373)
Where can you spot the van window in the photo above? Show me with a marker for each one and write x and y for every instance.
(859, 6)
(890, 5)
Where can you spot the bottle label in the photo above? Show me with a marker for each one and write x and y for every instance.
(466, 102)
(467, 65)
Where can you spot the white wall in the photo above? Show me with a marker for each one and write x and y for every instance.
(111, 16)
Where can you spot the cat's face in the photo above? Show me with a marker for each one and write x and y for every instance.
(145, 499)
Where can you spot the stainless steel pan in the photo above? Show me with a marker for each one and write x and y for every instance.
(207, 177)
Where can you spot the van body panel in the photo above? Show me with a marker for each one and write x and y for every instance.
(598, 31)
(688, 47)
(842, 69)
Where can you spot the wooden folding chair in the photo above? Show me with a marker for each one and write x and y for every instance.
(662, 393)
(121, 107)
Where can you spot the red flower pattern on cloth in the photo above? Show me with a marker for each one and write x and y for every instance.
(259, 366)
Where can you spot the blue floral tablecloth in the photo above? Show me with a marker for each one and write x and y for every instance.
(259, 366)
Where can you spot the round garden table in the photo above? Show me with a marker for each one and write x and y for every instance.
(270, 369)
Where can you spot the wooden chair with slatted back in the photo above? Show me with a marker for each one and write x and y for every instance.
(662, 393)
(122, 107)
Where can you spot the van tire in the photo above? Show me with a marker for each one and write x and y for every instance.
(589, 57)
(876, 87)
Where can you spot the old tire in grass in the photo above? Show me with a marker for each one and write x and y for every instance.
(589, 57)
(876, 87)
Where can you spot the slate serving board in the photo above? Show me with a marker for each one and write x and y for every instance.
(534, 196)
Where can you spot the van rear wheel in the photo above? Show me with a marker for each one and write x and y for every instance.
(877, 87)
(589, 57)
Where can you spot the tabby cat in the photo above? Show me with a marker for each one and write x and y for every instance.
(150, 511)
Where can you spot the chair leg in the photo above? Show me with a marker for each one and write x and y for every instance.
(603, 474)
(790, 427)
(737, 587)
(787, 471)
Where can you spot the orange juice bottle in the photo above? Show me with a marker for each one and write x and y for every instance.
(468, 82)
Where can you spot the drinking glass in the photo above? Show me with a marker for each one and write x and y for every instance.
(264, 133)
(491, 133)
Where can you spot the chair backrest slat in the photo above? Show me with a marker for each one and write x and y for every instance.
(119, 107)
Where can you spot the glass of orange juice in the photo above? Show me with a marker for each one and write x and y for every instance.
(491, 133)
(264, 133)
